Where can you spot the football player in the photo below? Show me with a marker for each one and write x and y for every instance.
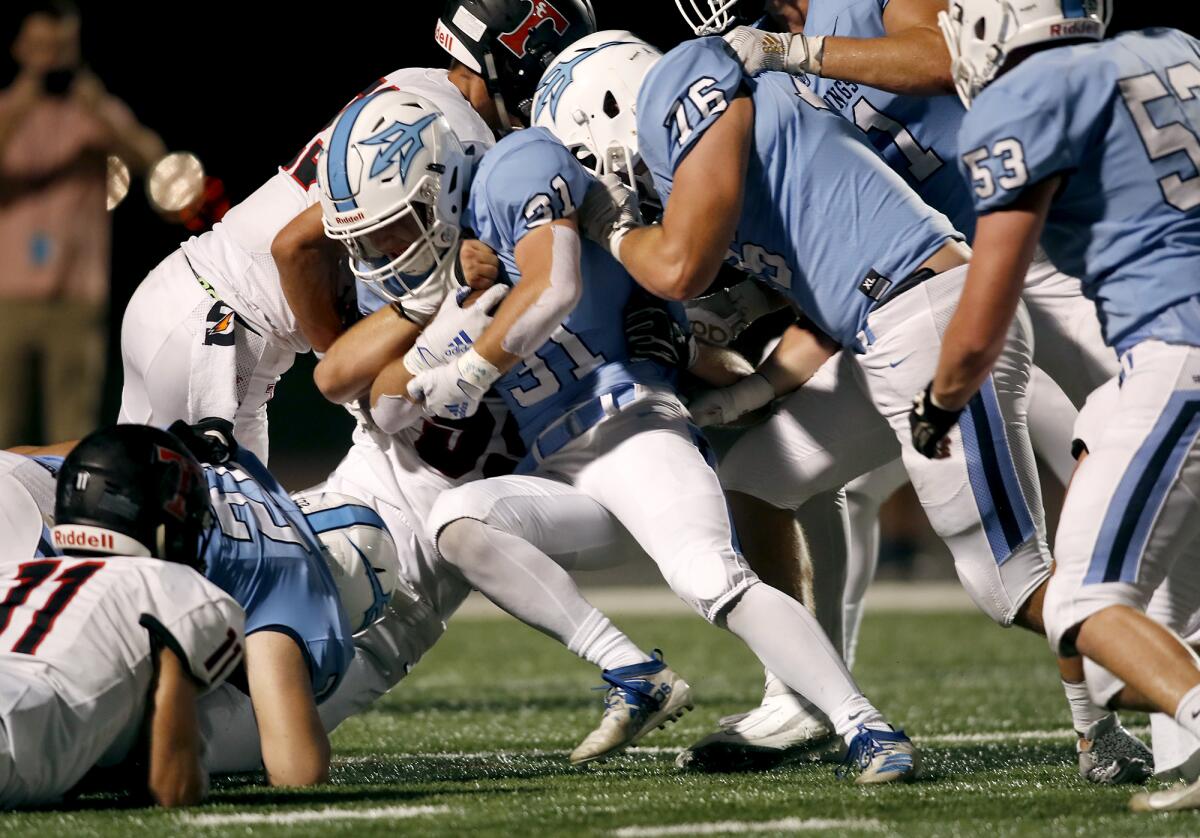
(210, 330)
(107, 647)
(1098, 165)
(883, 66)
(611, 450)
(260, 549)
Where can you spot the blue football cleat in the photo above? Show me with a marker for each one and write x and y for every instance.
(881, 756)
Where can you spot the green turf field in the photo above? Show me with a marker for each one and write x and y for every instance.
(476, 741)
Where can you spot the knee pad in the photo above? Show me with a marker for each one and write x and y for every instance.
(1103, 686)
(710, 582)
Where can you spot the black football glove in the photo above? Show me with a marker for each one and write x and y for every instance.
(931, 425)
(653, 334)
(210, 440)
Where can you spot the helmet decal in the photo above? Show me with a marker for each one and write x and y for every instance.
(559, 77)
(399, 142)
(176, 506)
(340, 190)
(542, 12)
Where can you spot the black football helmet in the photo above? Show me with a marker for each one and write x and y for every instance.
(510, 43)
(132, 490)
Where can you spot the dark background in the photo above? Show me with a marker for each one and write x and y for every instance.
(244, 86)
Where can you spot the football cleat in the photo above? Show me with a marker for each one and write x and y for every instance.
(781, 729)
(1113, 755)
(881, 756)
(1173, 799)
(640, 697)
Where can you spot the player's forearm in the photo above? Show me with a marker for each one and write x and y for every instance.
(357, 358)
(800, 353)
(176, 774)
(913, 62)
(667, 264)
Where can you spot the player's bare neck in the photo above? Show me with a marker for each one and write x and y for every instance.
(474, 89)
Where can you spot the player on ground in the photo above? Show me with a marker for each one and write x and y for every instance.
(107, 648)
(1099, 163)
(608, 440)
(883, 66)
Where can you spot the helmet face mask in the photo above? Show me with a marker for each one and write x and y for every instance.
(588, 100)
(716, 17)
(391, 164)
(983, 35)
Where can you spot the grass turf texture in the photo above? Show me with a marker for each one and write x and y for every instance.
(481, 730)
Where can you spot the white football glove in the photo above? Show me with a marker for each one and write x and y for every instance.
(719, 318)
(725, 404)
(454, 330)
(609, 211)
(453, 391)
(760, 51)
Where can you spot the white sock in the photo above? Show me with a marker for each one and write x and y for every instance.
(790, 643)
(598, 641)
(1187, 714)
(855, 711)
(1084, 711)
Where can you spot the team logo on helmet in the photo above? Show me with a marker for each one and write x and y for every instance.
(542, 12)
(399, 142)
(176, 506)
(559, 78)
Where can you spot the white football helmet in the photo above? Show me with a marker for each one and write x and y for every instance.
(360, 553)
(588, 99)
(982, 34)
(391, 158)
(722, 15)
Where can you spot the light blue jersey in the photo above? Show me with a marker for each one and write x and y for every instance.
(916, 135)
(824, 220)
(1119, 120)
(263, 552)
(526, 181)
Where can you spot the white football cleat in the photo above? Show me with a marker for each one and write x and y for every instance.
(641, 697)
(1171, 800)
(781, 729)
(1113, 755)
(881, 756)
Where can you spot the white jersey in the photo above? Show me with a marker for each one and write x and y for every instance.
(26, 506)
(77, 659)
(235, 256)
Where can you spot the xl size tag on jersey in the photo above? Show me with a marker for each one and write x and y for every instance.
(875, 286)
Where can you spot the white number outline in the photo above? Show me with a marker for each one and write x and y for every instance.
(923, 163)
(1163, 141)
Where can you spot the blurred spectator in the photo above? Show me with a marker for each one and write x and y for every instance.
(57, 127)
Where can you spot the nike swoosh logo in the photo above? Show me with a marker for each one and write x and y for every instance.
(854, 716)
(1195, 713)
(894, 364)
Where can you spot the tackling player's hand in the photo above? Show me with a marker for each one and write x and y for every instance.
(726, 404)
(458, 324)
(210, 440)
(453, 391)
(476, 265)
(760, 51)
(609, 211)
(653, 334)
(931, 425)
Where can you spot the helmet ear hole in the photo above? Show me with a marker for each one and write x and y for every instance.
(980, 29)
(611, 108)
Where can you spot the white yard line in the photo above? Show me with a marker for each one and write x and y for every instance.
(990, 737)
(382, 813)
(725, 827)
(658, 601)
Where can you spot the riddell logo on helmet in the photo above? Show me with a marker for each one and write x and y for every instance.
(1075, 28)
(541, 12)
(353, 218)
(81, 539)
